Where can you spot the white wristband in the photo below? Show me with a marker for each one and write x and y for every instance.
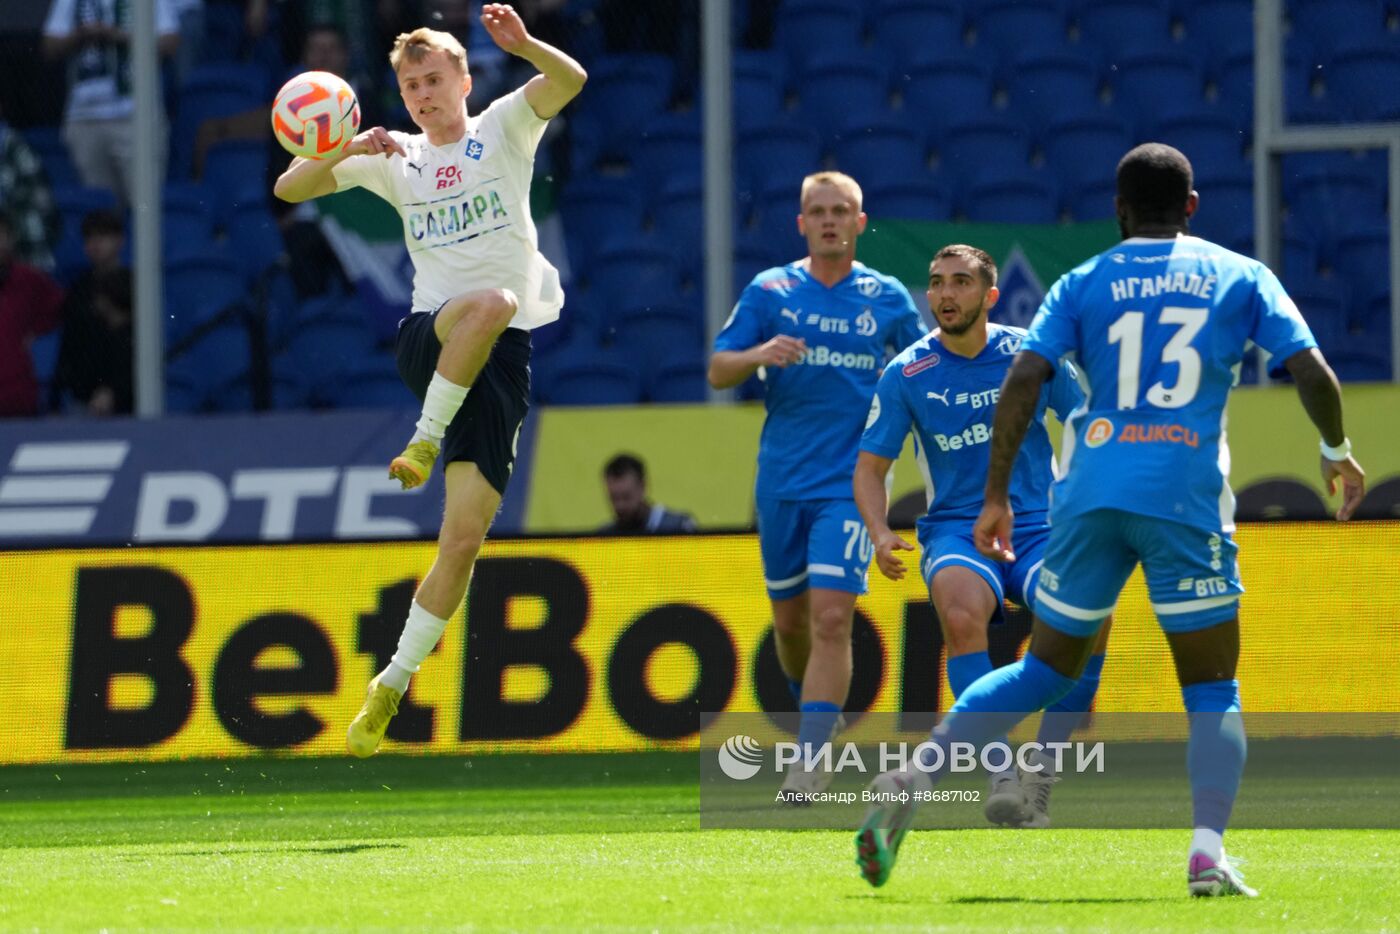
(1339, 453)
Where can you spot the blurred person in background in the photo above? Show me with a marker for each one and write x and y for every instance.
(86, 344)
(625, 477)
(820, 329)
(99, 118)
(26, 198)
(30, 305)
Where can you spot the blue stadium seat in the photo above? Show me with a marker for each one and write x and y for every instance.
(833, 26)
(631, 272)
(668, 148)
(625, 92)
(881, 149)
(759, 92)
(198, 288)
(255, 237)
(1054, 84)
(1015, 25)
(906, 29)
(594, 209)
(595, 383)
(223, 31)
(1218, 24)
(212, 364)
(187, 220)
(43, 350)
(1152, 82)
(1214, 142)
(680, 218)
(217, 90)
(1331, 198)
(921, 200)
(777, 154)
(234, 163)
(47, 143)
(1364, 78)
(322, 355)
(833, 90)
(1085, 149)
(1092, 199)
(984, 146)
(1363, 257)
(951, 90)
(678, 382)
(1107, 22)
(773, 233)
(660, 333)
(1337, 21)
(1226, 202)
(748, 263)
(1013, 201)
(1360, 362)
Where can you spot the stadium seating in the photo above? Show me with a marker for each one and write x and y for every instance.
(1218, 23)
(1085, 149)
(950, 90)
(777, 155)
(1214, 142)
(625, 92)
(1092, 200)
(1053, 85)
(914, 200)
(1336, 199)
(1336, 21)
(627, 271)
(233, 163)
(1016, 25)
(832, 90)
(595, 209)
(211, 369)
(1107, 22)
(886, 148)
(983, 147)
(213, 90)
(199, 287)
(678, 382)
(1025, 200)
(1152, 82)
(906, 29)
(832, 26)
(1363, 77)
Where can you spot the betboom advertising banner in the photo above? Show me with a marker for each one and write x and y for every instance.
(576, 644)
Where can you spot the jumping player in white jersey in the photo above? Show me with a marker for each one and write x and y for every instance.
(462, 187)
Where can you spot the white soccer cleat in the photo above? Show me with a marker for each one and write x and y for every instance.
(1036, 787)
(1207, 878)
(800, 784)
(1006, 803)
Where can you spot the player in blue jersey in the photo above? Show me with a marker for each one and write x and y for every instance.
(1159, 324)
(944, 388)
(819, 331)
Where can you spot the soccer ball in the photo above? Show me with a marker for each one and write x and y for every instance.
(315, 115)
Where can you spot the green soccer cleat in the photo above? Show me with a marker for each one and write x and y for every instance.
(886, 823)
(367, 729)
(413, 467)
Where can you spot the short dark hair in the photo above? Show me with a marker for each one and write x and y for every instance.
(623, 464)
(101, 221)
(328, 25)
(1154, 181)
(979, 259)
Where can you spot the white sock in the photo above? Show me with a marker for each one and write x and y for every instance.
(1207, 841)
(420, 634)
(444, 398)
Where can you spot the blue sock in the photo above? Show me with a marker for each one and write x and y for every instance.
(1064, 716)
(818, 717)
(1216, 753)
(964, 670)
(996, 702)
(796, 688)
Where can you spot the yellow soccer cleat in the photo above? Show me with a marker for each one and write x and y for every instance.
(367, 729)
(413, 467)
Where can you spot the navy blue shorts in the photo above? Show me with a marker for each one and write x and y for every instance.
(487, 426)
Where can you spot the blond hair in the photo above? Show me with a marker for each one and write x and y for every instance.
(838, 180)
(417, 45)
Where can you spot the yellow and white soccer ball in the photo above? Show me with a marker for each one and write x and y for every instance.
(315, 115)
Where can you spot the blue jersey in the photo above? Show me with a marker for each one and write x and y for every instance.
(1159, 328)
(817, 405)
(948, 401)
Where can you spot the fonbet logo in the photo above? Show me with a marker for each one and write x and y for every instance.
(740, 757)
(1098, 432)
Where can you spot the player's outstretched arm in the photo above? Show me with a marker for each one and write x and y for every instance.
(560, 77)
(311, 178)
(1020, 393)
(731, 367)
(873, 501)
(1321, 396)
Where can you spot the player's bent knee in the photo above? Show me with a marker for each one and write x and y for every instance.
(831, 625)
(460, 545)
(963, 630)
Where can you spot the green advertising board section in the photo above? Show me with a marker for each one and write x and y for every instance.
(701, 458)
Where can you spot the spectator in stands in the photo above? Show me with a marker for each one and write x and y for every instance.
(98, 122)
(105, 386)
(634, 514)
(25, 197)
(84, 346)
(30, 303)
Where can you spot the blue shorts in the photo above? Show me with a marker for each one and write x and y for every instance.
(950, 544)
(1193, 577)
(812, 543)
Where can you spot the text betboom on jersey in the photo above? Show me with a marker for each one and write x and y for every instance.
(822, 355)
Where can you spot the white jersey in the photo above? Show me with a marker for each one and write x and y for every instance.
(99, 74)
(466, 210)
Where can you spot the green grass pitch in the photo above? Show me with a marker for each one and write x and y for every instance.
(595, 842)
